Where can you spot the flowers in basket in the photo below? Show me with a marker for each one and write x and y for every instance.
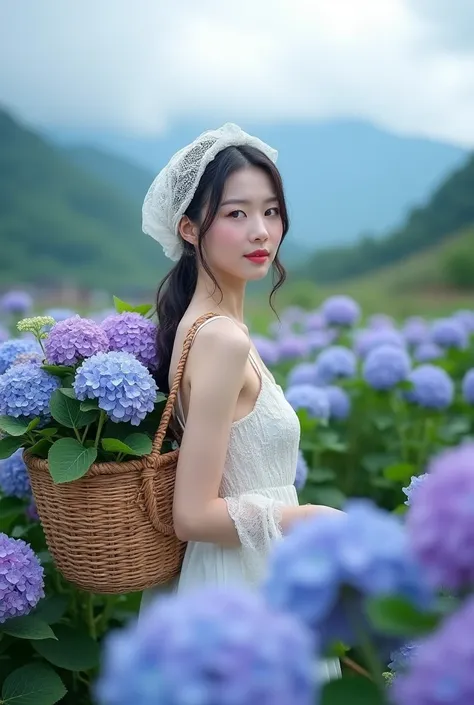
(83, 393)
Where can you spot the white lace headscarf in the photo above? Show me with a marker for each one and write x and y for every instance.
(173, 189)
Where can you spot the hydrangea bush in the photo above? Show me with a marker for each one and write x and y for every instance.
(387, 430)
(79, 389)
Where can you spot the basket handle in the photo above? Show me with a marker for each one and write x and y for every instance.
(170, 402)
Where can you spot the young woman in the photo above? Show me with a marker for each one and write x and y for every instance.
(218, 208)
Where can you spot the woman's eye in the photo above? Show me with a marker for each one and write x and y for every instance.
(235, 214)
(276, 211)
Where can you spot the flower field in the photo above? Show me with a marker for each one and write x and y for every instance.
(387, 434)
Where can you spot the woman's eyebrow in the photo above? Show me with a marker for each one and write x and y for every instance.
(234, 201)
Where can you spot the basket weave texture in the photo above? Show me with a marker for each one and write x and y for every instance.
(112, 531)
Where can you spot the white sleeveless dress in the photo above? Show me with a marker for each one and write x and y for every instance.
(257, 481)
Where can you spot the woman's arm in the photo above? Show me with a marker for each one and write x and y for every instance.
(216, 369)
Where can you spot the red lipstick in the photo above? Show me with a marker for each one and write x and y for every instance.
(258, 256)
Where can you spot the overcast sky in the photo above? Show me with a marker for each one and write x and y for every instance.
(135, 66)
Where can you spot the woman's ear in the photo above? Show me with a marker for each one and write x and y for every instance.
(188, 231)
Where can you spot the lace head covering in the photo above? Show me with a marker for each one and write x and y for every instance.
(173, 189)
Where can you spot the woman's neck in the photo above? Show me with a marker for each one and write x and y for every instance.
(227, 299)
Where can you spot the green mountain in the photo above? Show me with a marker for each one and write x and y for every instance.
(60, 225)
(342, 178)
(448, 211)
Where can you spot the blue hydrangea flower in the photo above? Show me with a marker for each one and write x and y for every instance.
(468, 386)
(466, 317)
(301, 472)
(10, 349)
(267, 349)
(440, 670)
(123, 386)
(313, 399)
(320, 339)
(73, 340)
(14, 478)
(440, 519)
(432, 387)
(303, 373)
(31, 357)
(21, 578)
(16, 302)
(402, 657)
(385, 367)
(60, 314)
(212, 647)
(367, 340)
(292, 347)
(415, 482)
(449, 333)
(26, 390)
(340, 311)
(415, 330)
(426, 352)
(130, 332)
(339, 403)
(336, 362)
(328, 565)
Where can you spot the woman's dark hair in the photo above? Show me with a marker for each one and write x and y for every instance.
(177, 288)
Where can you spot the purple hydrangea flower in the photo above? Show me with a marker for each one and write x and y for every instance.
(123, 386)
(415, 482)
(339, 403)
(449, 333)
(267, 349)
(385, 367)
(336, 362)
(292, 347)
(16, 302)
(132, 333)
(440, 670)
(366, 549)
(14, 478)
(73, 340)
(415, 330)
(426, 352)
(380, 321)
(313, 399)
(439, 521)
(11, 349)
(468, 386)
(213, 647)
(32, 511)
(303, 373)
(367, 340)
(21, 578)
(314, 321)
(26, 390)
(340, 311)
(301, 471)
(432, 387)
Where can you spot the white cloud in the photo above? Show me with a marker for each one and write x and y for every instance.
(137, 65)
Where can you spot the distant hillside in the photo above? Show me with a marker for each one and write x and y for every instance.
(60, 225)
(342, 178)
(449, 210)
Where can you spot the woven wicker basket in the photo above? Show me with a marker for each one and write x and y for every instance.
(111, 531)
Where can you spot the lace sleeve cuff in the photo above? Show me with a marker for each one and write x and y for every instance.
(257, 520)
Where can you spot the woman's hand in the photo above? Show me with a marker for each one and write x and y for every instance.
(303, 512)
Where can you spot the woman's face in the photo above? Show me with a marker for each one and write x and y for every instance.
(243, 240)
